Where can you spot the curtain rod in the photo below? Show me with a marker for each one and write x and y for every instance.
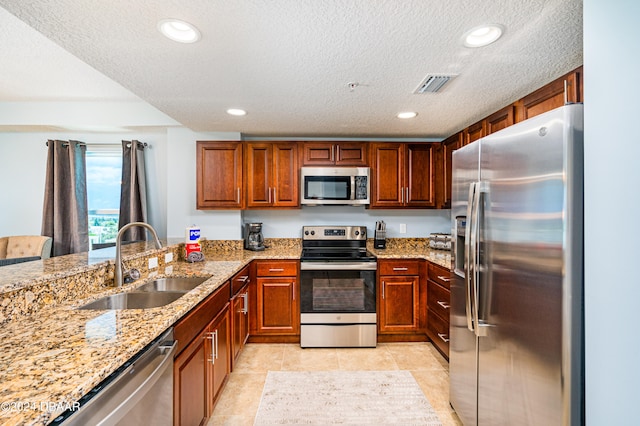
(67, 143)
(144, 144)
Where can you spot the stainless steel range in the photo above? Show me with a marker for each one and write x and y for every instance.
(337, 288)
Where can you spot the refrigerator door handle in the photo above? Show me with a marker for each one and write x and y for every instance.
(480, 187)
(469, 262)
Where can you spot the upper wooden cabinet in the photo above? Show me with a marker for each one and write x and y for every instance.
(446, 154)
(566, 88)
(218, 175)
(474, 132)
(271, 174)
(404, 175)
(334, 154)
(500, 119)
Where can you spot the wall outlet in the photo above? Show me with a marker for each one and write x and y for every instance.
(168, 257)
(403, 228)
(153, 262)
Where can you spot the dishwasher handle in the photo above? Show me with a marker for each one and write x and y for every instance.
(167, 352)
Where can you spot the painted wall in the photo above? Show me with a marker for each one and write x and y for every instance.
(612, 152)
(23, 159)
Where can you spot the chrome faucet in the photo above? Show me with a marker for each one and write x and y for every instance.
(119, 275)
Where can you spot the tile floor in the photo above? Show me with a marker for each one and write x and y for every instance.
(239, 401)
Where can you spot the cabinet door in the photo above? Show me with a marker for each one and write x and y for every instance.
(420, 175)
(239, 322)
(351, 154)
(500, 119)
(218, 175)
(387, 189)
(258, 160)
(448, 146)
(218, 356)
(278, 307)
(317, 154)
(399, 304)
(285, 175)
(190, 384)
(474, 132)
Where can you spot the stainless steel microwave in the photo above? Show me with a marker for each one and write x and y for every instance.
(334, 186)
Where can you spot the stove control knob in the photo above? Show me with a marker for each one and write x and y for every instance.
(313, 232)
(357, 233)
(306, 232)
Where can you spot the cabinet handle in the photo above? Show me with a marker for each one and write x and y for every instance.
(333, 153)
(293, 289)
(245, 304)
(275, 200)
(407, 190)
(383, 284)
(243, 279)
(269, 197)
(400, 269)
(444, 337)
(443, 304)
(213, 335)
(402, 195)
(276, 269)
(566, 94)
(238, 195)
(443, 278)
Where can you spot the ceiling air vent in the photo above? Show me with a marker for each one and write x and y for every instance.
(433, 83)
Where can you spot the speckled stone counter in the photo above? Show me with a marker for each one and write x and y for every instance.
(52, 354)
(55, 355)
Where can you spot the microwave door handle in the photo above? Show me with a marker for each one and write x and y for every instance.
(352, 196)
(468, 269)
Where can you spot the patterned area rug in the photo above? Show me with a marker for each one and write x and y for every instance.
(344, 397)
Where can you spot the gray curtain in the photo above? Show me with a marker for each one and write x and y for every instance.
(133, 197)
(65, 216)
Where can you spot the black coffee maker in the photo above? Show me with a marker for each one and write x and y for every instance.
(253, 239)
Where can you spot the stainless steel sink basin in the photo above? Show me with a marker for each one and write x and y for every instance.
(182, 284)
(134, 300)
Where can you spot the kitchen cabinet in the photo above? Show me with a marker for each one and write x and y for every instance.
(334, 154)
(449, 145)
(239, 312)
(500, 119)
(271, 174)
(218, 175)
(439, 296)
(474, 132)
(202, 364)
(277, 301)
(553, 95)
(402, 299)
(404, 175)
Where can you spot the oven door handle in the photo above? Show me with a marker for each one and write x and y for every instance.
(338, 266)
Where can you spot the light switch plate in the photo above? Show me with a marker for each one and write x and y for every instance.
(403, 228)
(168, 257)
(153, 262)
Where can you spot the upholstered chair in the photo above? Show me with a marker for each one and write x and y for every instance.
(25, 246)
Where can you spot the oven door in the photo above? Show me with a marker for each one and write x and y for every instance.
(338, 304)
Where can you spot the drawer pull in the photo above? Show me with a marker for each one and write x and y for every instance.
(400, 269)
(445, 305)
(276, 269)
(444, 337)
(443, 278)
(243, 278)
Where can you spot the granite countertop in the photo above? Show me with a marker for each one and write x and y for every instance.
(52, 357)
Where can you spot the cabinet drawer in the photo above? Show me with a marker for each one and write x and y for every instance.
(286, 268)
(438, 299)
(439, 274)
(439, 332)
(399, 267)
(239, 280)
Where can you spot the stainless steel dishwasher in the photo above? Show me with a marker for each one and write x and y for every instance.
(139, 393)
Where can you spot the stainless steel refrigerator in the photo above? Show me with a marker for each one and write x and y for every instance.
(516, 327)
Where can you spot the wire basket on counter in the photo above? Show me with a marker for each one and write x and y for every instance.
(440, 241)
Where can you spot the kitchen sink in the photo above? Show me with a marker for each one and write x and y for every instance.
(134, 300)
(180, 284)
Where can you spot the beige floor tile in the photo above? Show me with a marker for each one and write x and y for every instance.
(241, 395)
(260, 358)
(435, 386)
(352, 359)
(448, 418)
(216, 420)
(415, 356)
(310, 359)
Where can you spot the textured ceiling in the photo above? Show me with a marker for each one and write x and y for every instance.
(289, 63)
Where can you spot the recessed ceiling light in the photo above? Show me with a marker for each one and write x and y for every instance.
(482, 35)
(236, 111)
(408, 114)
(179, 31)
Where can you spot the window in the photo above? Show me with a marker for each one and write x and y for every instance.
(104, 174)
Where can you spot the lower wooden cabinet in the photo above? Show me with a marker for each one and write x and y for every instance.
(439, 296)
(203, 363)
(240, 321)
(277, 300)
(401, 300)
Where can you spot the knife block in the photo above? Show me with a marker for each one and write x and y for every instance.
(380, 240)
